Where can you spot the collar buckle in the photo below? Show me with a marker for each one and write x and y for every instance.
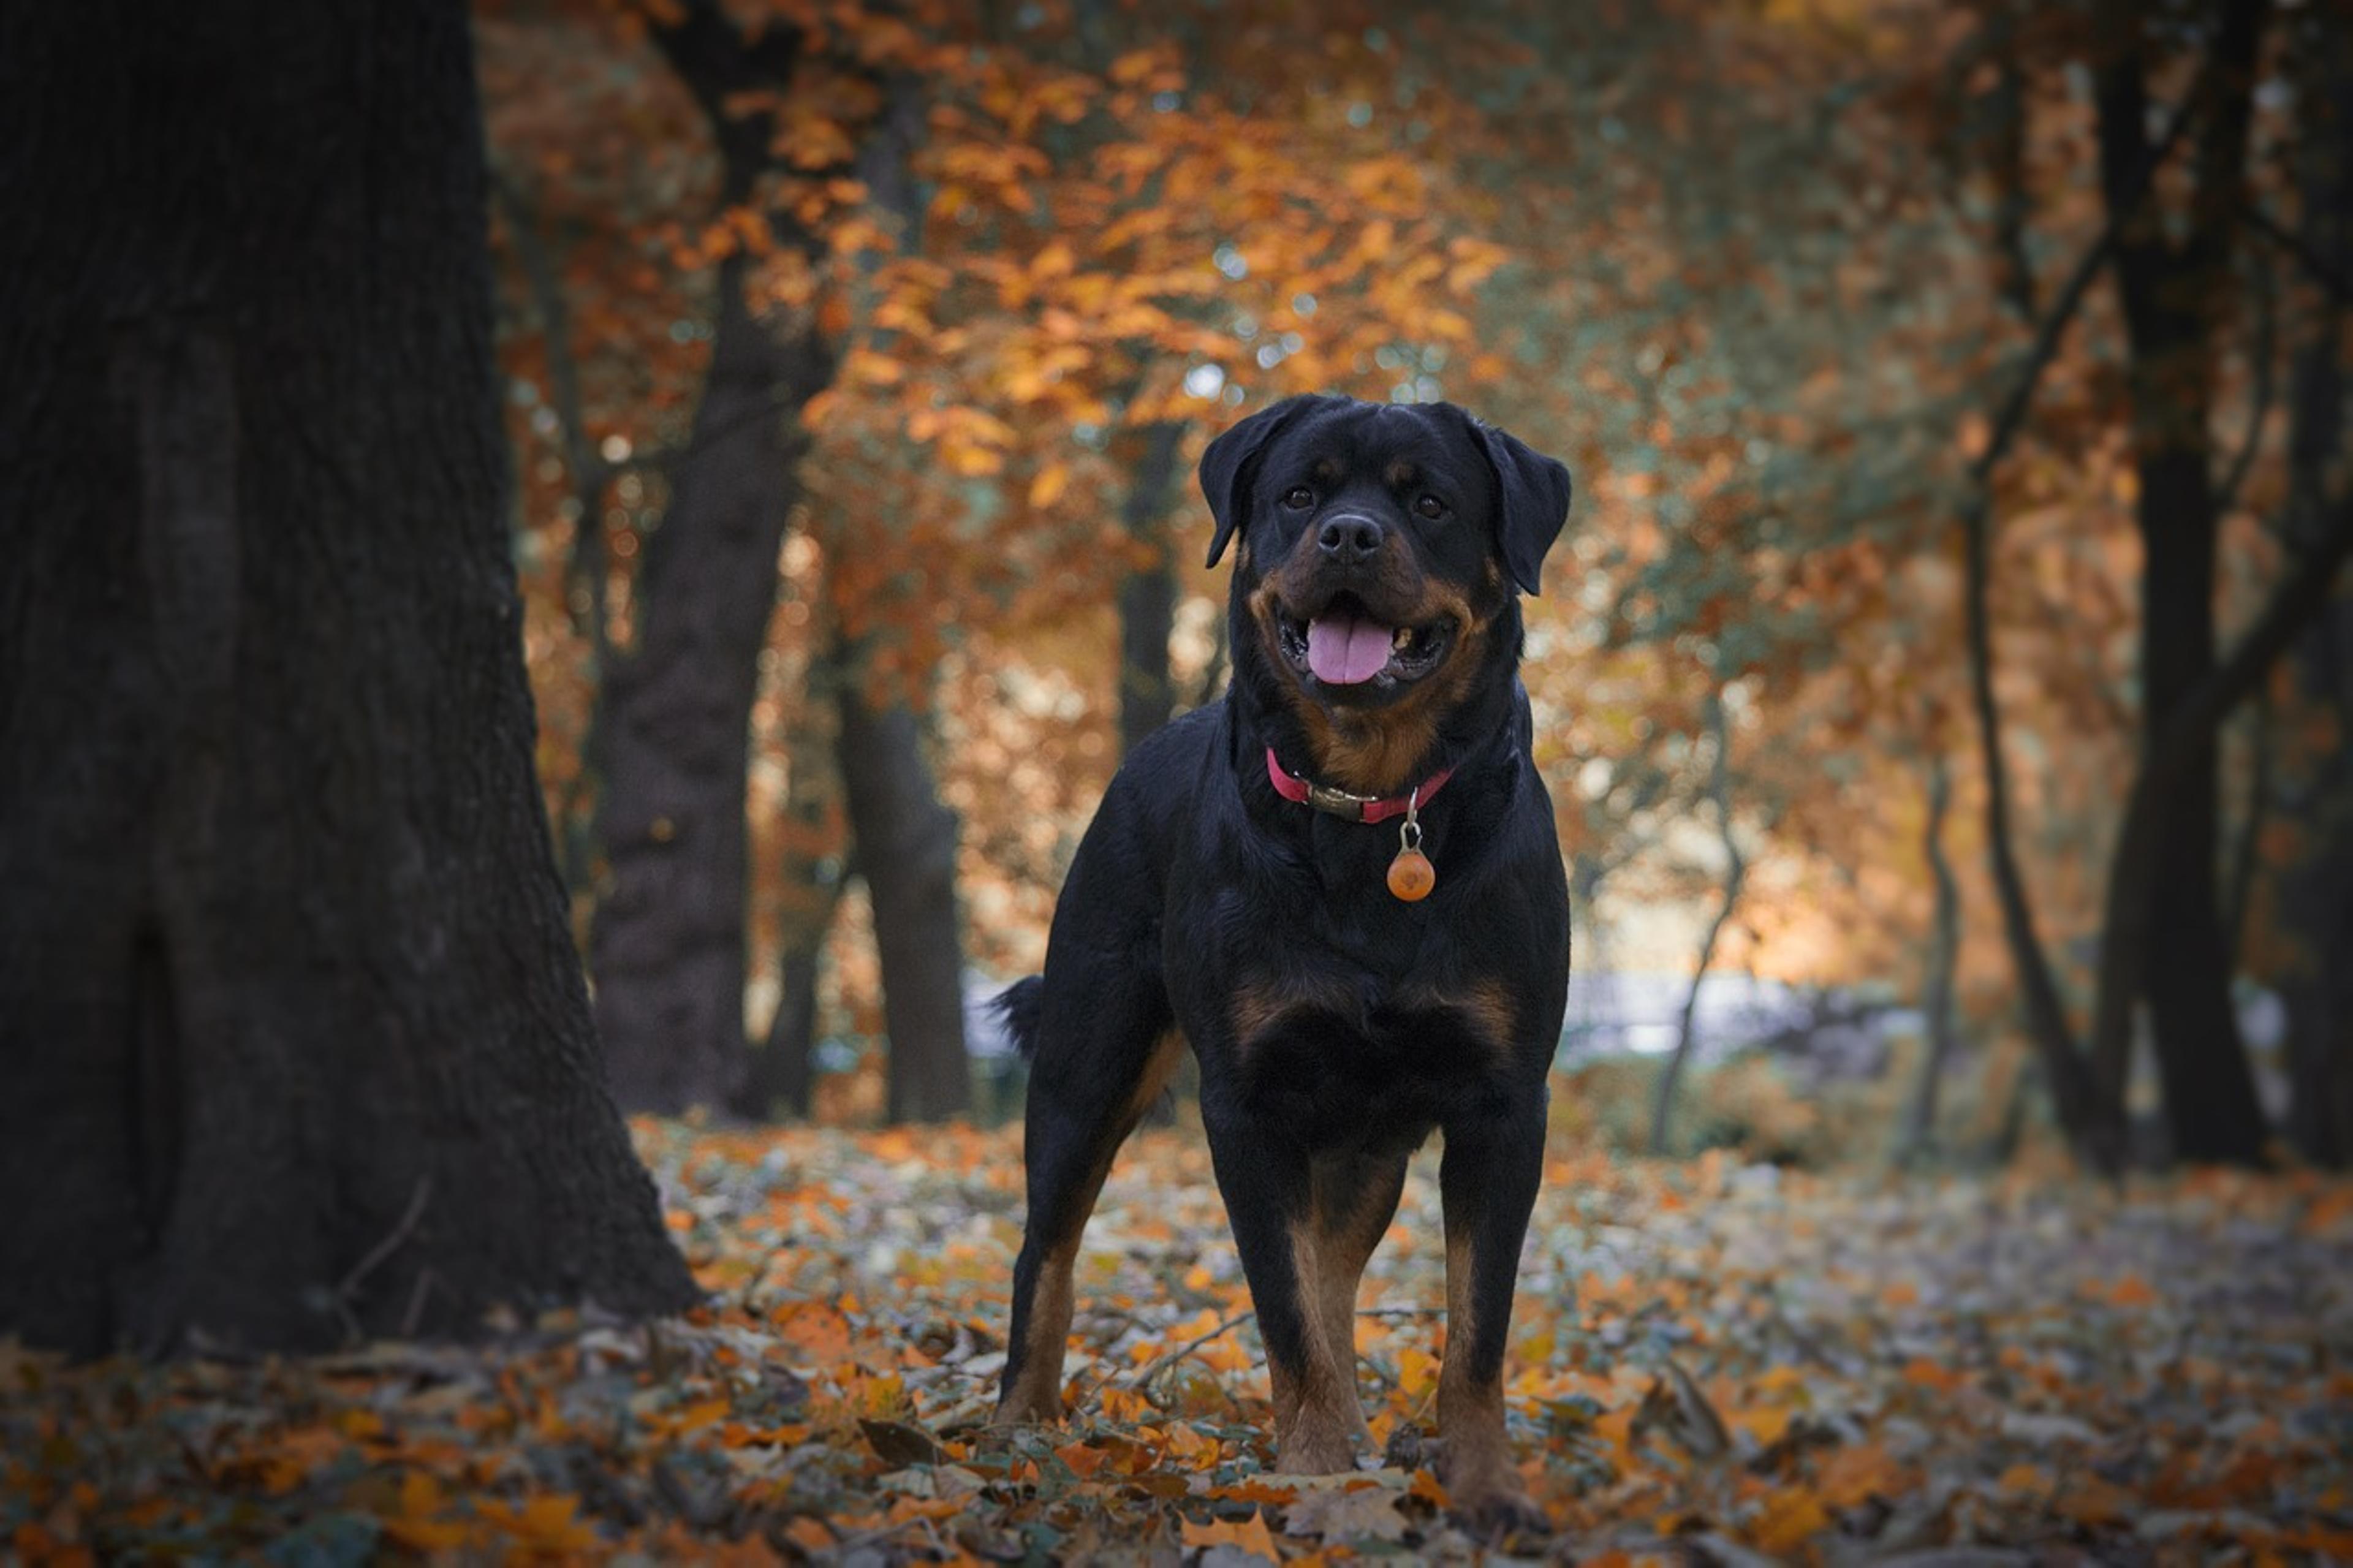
(1338, 802)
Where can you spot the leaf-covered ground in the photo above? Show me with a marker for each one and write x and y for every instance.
(1712, 1361)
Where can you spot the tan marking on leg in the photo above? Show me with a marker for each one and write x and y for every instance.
(1158, 1068)
(1316, 1410)
(1345, 1240)
(1037, 1391)
(1481, 1479)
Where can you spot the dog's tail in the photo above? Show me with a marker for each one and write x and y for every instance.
(1018, 1005)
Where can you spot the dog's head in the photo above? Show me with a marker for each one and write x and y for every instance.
(1382, 549)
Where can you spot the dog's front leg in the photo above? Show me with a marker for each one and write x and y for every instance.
(1266, 1179)
(1488, 1180)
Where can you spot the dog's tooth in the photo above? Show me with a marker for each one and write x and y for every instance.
(1404, 636)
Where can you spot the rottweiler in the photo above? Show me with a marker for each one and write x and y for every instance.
(1342, 885)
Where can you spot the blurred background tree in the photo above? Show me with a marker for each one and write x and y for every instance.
(1951, 624)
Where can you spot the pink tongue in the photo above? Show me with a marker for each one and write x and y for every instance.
(1344, 650)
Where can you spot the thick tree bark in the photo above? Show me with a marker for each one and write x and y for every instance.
(667, 945)
(907, 852)
(296, 1043)
(2169, 291)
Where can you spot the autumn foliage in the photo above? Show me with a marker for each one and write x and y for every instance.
(1713, 1357)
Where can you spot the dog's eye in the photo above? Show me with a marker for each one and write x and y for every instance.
(1298, 497)
(1430, 506)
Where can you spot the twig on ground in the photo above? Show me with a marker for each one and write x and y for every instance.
(1160, 1363)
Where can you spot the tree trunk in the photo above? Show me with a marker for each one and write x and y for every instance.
(1147, 595)
(2315, 905)
(296, 1041)
(907, 852)
(2090, 1121)
(585, 574)
(2315, 894)
(1919, 1136)
(1735, 871)
(2169, 291)
(666, 944)
(782, 1072)
(905, 838)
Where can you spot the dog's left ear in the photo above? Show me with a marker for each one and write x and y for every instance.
(1532, 494)
(1227, 469)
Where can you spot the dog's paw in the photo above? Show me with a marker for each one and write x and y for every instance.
(1484, 1492)
(1498, 1514)
(1023, 1409)
(1321, 1453)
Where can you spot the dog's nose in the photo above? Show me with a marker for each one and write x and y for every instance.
(1350, 539)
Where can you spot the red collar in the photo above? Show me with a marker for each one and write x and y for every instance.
(1354, 807)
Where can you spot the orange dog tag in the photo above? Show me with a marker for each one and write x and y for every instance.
(1411, 876)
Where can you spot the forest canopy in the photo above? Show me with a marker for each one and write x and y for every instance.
(1930, 373)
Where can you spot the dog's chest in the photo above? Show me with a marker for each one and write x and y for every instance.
(1340, 1053)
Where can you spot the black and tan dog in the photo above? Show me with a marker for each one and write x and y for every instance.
(1342, 885)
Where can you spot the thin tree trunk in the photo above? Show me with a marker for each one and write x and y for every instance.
(2246, 844)
(2169, 291)
(666, 944)
(782, 1072)
(907, 852)
(296, 1040)
(1736, 871)
(1147, 595)
(2092, 1129)
(905, 837)
(1919, 1136)
(2092, 1122)
(2316, 893)
(586, 589)
(2315, 905)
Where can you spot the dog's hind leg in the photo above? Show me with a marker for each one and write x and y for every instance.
(1105, 1052)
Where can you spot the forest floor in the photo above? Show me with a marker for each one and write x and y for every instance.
(1712, 1362)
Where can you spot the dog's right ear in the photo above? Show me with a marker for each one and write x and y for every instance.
(1228, 466)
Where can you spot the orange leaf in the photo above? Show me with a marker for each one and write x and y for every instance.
(1926, 1373)
(1084, 1461)
(1048, 486)
(1790, 1517)
(816, 1329)
(1251, 1536)
(1852, 1475)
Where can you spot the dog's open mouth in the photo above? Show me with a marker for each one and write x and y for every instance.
(1344, 644)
